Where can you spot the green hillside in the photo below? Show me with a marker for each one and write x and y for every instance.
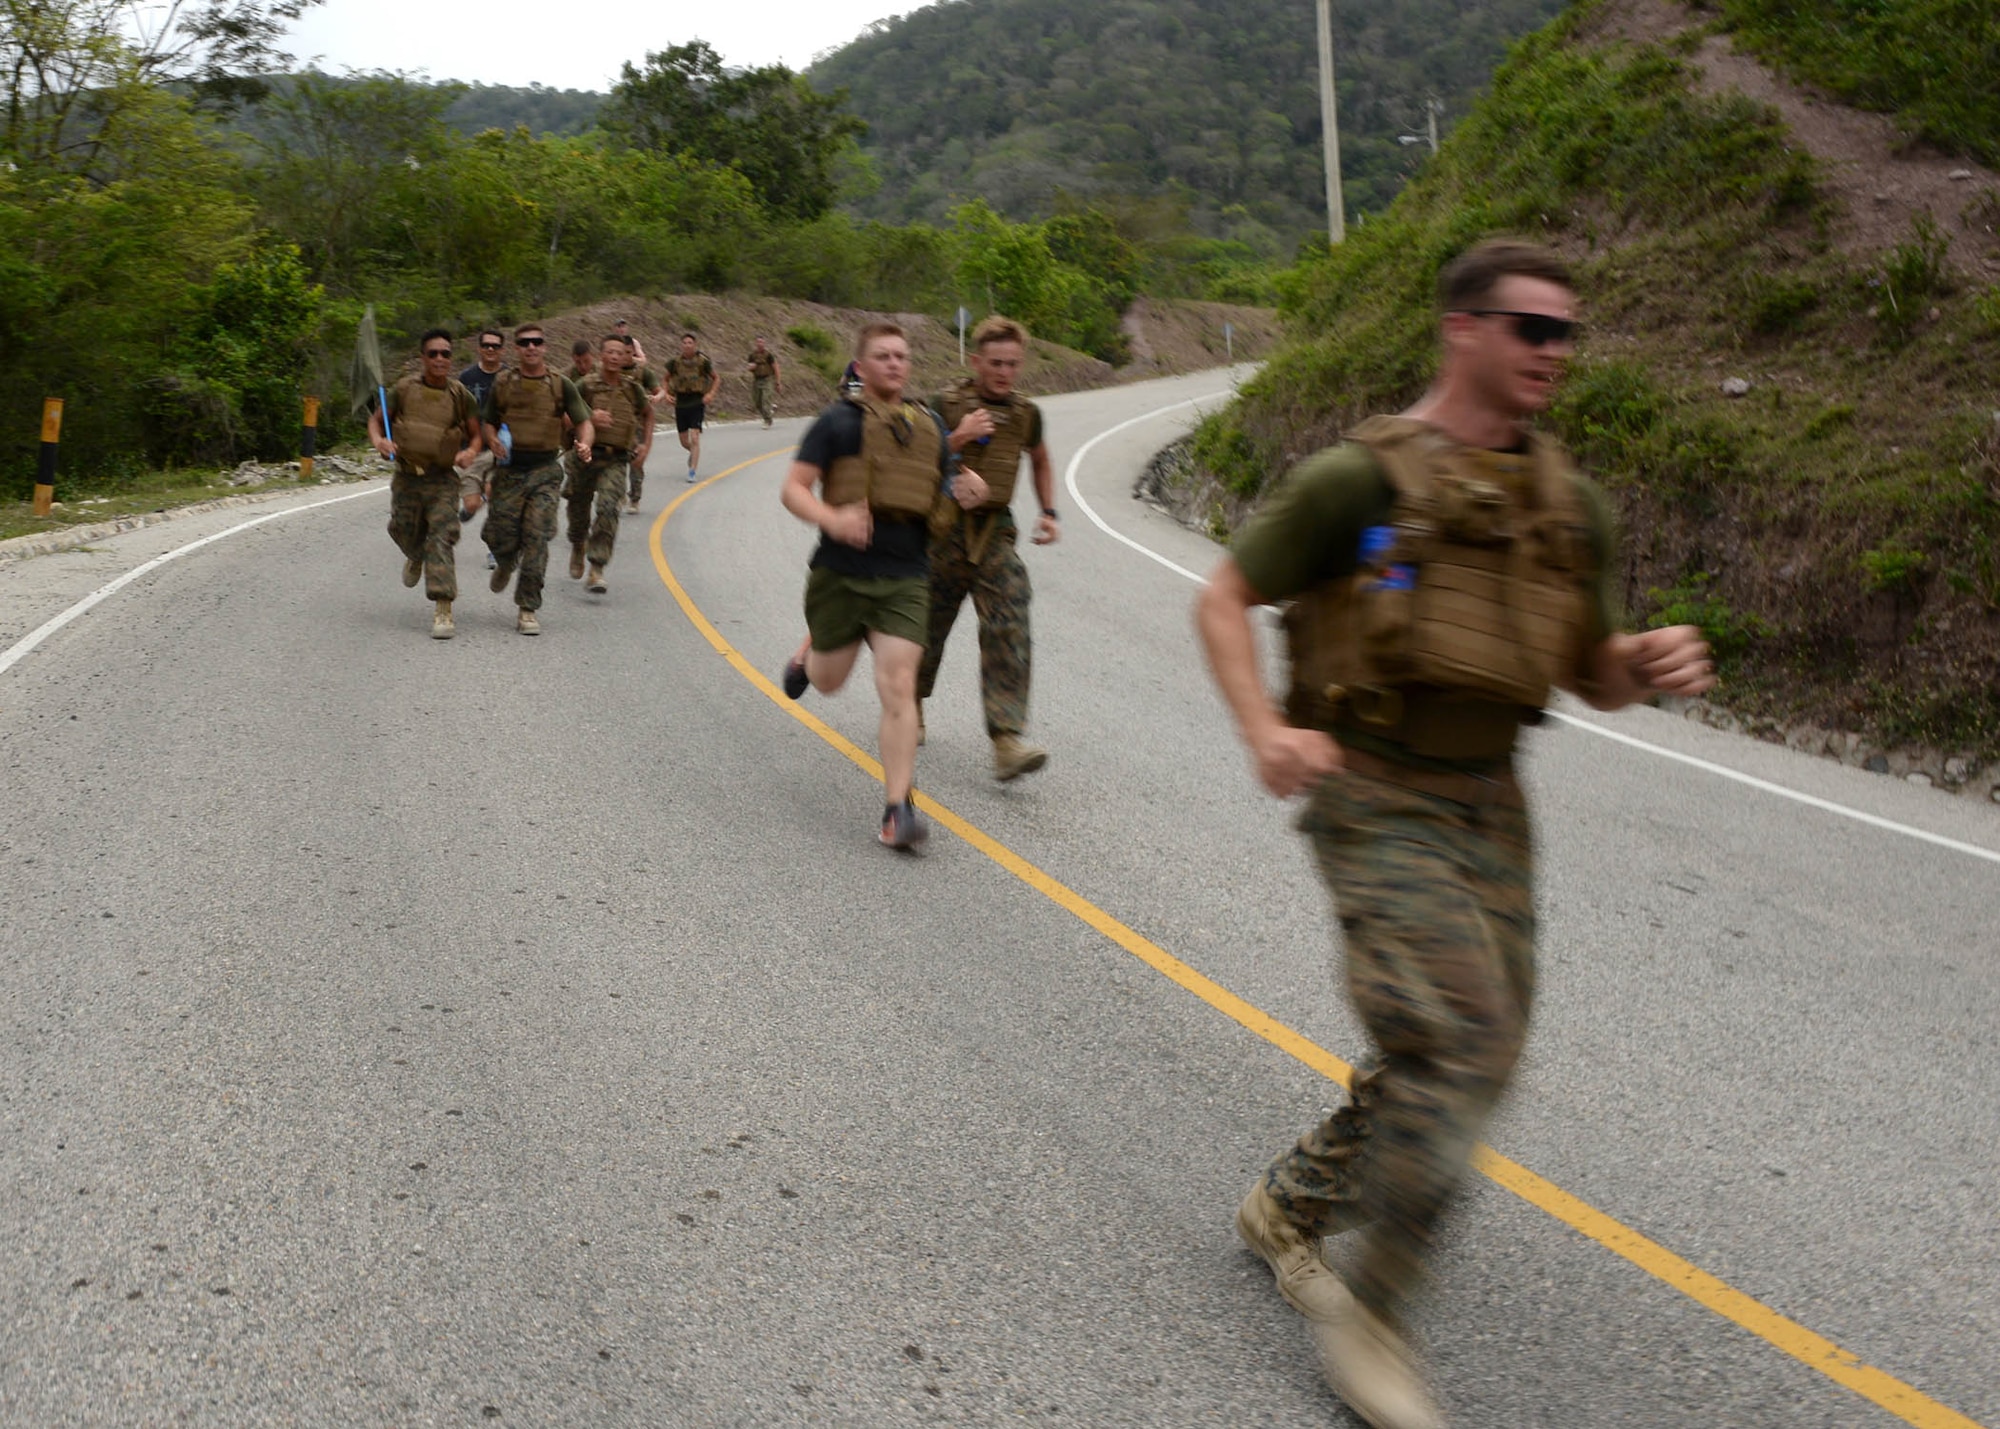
(1837, 530)
(1013, 100)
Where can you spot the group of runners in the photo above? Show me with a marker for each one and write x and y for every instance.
(1443, 572)
(520, 439)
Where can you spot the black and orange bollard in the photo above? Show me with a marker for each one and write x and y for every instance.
(45, 475)
(308, 439)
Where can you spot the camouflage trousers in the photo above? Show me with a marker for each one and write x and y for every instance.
(520, 523)
(423, 522)
(979, 559)
(1436, 906)
(761, 397)
(635, 480)
(596, 493)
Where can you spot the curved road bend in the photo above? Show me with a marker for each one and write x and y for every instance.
(403, 1033)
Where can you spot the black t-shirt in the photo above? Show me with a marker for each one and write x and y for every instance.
(901, 548)
(478, 381)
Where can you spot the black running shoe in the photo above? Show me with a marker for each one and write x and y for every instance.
(795, 680)
(903, 828)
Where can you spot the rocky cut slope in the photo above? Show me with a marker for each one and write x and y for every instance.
(1790, 382)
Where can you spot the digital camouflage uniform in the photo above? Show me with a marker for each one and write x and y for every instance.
(597, 490)
(978, 555)
(1425, 845)
(635, 477)
(521, 517)
(424, 492)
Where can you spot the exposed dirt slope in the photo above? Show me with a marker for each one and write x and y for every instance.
(1880, 180)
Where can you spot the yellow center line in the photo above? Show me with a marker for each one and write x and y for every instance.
(1910, 1405)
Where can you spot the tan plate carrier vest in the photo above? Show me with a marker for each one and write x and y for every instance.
(624, 399)
(684, 376)
(764, 367)
(531, 408)
(427, 429)
(1495, 606)
(896, 470)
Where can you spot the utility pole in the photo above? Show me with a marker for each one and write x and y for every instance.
(1336, 211)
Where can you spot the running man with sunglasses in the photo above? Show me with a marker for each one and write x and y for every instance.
(433, 434)
(1446, 570)
(534, 402)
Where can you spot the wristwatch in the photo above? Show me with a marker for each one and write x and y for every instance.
(1050, 512)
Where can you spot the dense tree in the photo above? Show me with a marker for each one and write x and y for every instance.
(72, 70)
(768, 124)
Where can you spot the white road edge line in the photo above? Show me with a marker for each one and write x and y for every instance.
(21, 648)
(1719, 770)
(1069, 480)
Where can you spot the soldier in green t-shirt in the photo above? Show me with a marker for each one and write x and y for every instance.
(1447, 570)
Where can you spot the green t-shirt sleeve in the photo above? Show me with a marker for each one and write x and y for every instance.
(466, 406)
(1034, 425)
(1309, 531)
(573, 403)
(1607, 614)
(489, 413)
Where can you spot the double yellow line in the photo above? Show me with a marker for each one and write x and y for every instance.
(1910, 1405)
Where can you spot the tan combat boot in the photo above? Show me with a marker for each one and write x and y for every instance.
(413, 570)
(595, 585)
(526, 623)
(576, 561)
(1306, 1281)
(1370, 1367)
(1013, 757)
(441, 626)
(502, 573)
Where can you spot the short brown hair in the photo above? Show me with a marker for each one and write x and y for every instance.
(998, 329)
(1469, 279)
(614, 337)
(874, 330)
(524, 329)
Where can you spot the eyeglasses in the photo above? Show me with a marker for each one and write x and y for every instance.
(1535, 329)
(437, 352)
(529, 341)
(492, 346)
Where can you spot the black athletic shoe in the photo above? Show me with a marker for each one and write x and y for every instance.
(903, 828)
(795, 680)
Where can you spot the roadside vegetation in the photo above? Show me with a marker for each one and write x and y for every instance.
(186, 247)
(1835, 528)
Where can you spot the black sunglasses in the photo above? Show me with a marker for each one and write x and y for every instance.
(1535, 329)
(437, 352)
(529, 341)
(495, 346)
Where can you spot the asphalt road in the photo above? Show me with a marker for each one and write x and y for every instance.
(395, 1032)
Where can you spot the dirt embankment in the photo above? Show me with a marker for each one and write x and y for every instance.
(812, 342)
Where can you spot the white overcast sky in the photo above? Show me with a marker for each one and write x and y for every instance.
(564, 46)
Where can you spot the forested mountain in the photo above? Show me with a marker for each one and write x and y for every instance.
(1214, 100)
(541, 109)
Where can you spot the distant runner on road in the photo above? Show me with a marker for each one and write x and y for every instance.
(766, 382)
(1447, 569)
(435, 429)
(881, 464)
(973, 552)
(693, 380)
